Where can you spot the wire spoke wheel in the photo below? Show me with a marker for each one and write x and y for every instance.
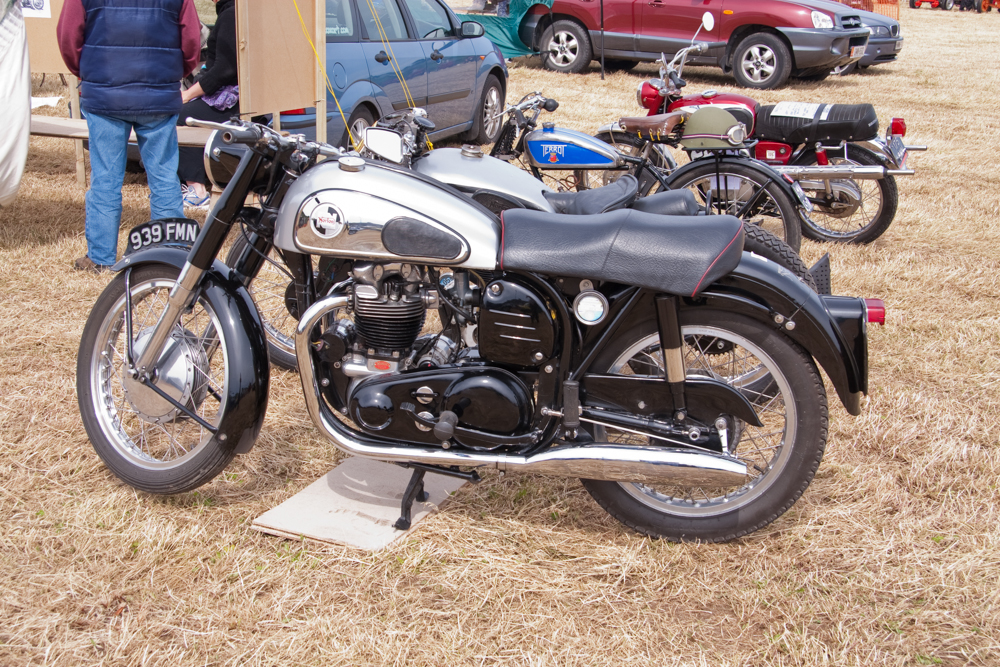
(143, 438)
(781, 456)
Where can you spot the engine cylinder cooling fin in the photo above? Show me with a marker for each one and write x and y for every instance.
(388, 324)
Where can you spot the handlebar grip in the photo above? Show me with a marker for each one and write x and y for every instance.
(677, 80)
(241, 135)
(550, 105)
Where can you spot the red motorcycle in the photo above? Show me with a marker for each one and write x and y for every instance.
(833, 150)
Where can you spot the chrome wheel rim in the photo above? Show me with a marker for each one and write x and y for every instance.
(563, 48)
(131, 417)
(758, 63)
(745, 366)
(491, 111)
(857, 211)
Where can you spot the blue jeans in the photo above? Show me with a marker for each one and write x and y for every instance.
(109, 135)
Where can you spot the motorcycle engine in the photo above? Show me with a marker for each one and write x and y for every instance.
(393, 382)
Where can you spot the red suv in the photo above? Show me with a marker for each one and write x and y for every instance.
(766, 41)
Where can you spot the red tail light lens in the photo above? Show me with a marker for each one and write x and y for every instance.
(294, 112)
(875, 311)
(897, 126)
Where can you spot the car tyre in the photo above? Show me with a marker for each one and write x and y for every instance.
(762, 61)
(947, 5)
(571, 45)
(487, 124)
(359, 120)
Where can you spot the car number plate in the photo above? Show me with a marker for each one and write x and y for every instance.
(858, 51)
(801, 194)
(898, 150)
(156, 232)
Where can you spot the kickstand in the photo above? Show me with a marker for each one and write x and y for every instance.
(414, 491)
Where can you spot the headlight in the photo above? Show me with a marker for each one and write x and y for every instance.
(736, 134)
(821, 20)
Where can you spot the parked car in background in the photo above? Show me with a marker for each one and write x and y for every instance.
(884, 43)
(448, 66)
(766, 41)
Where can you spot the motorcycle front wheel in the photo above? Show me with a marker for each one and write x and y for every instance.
(784, 387)
(856, 211)
(142, 438)
(728, 188)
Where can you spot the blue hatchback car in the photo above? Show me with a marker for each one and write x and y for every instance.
(449, 68)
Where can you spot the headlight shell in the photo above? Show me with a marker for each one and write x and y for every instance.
(821, 20)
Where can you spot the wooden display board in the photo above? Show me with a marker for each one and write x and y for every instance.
(278, 69)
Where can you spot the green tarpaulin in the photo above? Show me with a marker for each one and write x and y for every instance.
(502, 30)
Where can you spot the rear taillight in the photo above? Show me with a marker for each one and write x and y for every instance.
(875, 311)
(294, 112)
(897, 127)
(648, 96)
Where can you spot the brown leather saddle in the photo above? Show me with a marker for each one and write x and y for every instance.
(654, 128)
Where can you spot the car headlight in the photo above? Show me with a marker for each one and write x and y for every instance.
(821, 20)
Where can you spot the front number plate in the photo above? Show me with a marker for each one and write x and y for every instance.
(174, 231)
(858, 51)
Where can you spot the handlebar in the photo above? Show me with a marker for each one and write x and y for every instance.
(245, 132)
(676, 79)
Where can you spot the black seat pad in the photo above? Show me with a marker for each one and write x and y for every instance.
(832, 122)
(669, 202)
(677, 255)
(613, 196)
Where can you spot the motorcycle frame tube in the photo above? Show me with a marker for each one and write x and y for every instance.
(250, 376)
(594, 461)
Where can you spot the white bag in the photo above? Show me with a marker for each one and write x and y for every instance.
(15, 101)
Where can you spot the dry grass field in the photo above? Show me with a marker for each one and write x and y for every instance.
(890, 558)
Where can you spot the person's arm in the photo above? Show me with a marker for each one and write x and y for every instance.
(70, 34)
(223, 70)
(190, 36)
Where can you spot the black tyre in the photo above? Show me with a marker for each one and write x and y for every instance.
(269, 289)
(359, 120)
(914, 5)
(566, 47)
(947, 5)
(781, 382)
(772, 209)
(489, 117)
(762, 61)
(857, 211)
(143, 439)
(765, 244)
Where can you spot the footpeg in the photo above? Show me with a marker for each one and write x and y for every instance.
(571, 408)
(444, 430)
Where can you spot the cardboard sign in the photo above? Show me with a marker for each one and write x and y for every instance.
(40, 25)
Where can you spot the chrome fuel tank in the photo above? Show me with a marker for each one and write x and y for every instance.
(471, 172)
(367, 209)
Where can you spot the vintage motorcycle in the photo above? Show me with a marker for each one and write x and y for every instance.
(752, 191)
(832, 150)
(673, 373)
(494, 183)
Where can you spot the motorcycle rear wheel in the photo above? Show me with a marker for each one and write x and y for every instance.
(861, 223)
(781, 382)
(143, 440)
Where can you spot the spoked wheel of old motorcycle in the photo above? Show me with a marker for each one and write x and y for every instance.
(270, 291)
(143, 438)
(783, 386)
(853, 211)
(741, 191)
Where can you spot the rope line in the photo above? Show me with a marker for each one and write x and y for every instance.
(392, 60)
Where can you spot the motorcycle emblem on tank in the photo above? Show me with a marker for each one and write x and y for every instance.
(325, 219)
(553, 152)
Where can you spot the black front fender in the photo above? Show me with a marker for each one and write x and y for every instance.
(246, 345)
(833, 329)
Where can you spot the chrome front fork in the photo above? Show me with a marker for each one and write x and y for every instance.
(180, 298)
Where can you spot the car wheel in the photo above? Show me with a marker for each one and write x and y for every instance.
(914, 4)
(489, 114)
(947, 5)
(761, 61)
(566, 47)
(360, 119)
(844, 70)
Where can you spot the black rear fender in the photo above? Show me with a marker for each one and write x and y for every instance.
(833, 329)
(244, 335)
(765, 172)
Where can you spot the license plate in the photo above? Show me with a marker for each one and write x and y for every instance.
(180, 231)
(898, 150)
(858, 51)
(801, 194)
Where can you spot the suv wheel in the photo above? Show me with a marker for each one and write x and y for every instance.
(566, 47)
(761, 61)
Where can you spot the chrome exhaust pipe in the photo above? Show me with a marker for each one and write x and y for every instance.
(604, 461)
(854, 172)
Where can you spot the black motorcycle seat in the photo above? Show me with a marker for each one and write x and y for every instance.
(832, 122)
(674, 254)
(610, 197)
(669, 202)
